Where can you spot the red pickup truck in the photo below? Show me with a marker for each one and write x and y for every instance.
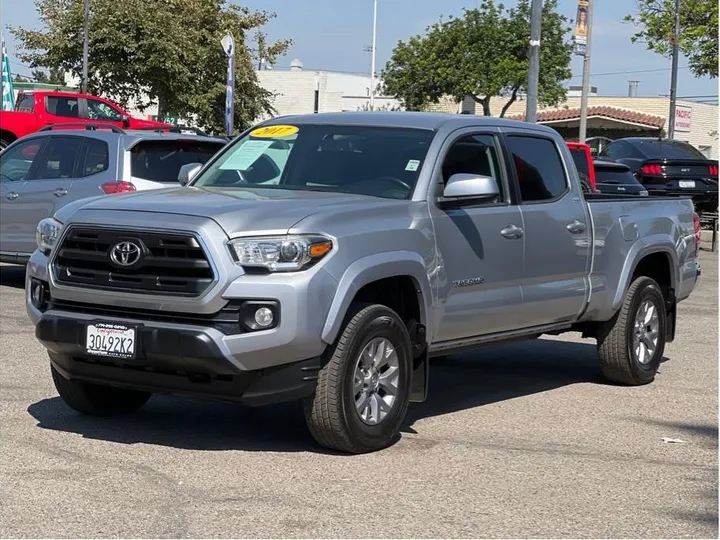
(37, 109)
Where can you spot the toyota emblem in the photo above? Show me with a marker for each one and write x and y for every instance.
(125, 253)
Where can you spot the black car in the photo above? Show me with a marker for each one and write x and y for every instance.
(670, 168)
(616, 179)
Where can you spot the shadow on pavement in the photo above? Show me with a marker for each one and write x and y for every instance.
(458, 383)
(12, 276)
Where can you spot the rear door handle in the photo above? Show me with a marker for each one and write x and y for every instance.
(61, 192)
(12, 196)
(576, 227)
(512, 232)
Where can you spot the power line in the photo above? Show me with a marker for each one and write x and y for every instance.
(628, 72)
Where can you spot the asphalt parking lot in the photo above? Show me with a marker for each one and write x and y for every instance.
(522, 440)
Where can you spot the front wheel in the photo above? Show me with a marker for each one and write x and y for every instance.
(362, 393)
(631, 344)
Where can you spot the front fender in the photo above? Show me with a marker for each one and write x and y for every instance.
(373, 268)
(658, 243)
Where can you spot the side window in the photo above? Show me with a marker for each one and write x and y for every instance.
(98, 110)
(618, 150)
(62, 106)
(26, 104)
(541, 175)
(97, 158)
(58, 159)
(15, 163)
(474, 154)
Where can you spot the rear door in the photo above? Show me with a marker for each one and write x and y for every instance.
(59, 109)
(48, 185)
(557, 231)
(98, 165)
(480, 245)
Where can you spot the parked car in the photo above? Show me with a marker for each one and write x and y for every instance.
(36, 110)
(44, 171)
(327, 257)
(582, 156)
(616, 179)
(668, 167)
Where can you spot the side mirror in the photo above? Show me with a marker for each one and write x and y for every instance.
(462, 187)
(188, 172)
(125, 121)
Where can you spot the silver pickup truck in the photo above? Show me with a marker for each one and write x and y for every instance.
(327, 258)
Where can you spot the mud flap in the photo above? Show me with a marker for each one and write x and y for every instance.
(421, 364)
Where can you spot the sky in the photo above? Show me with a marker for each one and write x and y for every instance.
(331, 34)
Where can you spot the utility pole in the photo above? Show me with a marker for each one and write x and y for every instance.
(586, 76)
(534, 66)
(85, 48)
(374, 50)
(673, 76)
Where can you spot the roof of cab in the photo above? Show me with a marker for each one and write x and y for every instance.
(406, 119)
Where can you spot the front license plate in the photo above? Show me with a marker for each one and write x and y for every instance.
(687, 183)
(112, 340)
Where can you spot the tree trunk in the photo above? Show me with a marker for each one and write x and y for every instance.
(513, 98)
(485, 102)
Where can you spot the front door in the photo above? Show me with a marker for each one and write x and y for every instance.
(480, 247)
(16, 165)
(557, 232)
(48, 185)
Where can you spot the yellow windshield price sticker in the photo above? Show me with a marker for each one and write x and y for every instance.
(274, 131)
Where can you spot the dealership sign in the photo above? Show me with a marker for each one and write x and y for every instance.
(683, 118)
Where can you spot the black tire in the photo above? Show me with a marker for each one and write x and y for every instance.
(330, 413)
(96, 399)
(618, 361)
(4, 144)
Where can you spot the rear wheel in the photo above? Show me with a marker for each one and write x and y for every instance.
(632, 343)
(362, 393)
(97, 399)
(4, 143)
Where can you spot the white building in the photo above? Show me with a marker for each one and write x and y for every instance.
(300, 91)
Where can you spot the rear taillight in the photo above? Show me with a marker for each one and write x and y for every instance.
(713, 170)
(112, 188)
(652, 168)
(696, 227)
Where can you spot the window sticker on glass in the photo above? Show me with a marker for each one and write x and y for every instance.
(247, 154)
(274, 131)
(412, 165)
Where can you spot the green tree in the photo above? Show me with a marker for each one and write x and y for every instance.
(698, 38)
(483, 54)
(53, 76)
(163, 50)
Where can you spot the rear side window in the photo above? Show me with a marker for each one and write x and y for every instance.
(160, 161)
(26, 104)
(97, 158)
(59, 158)
(62, 106)
(581, 162)
(541, 175)
(669, 149)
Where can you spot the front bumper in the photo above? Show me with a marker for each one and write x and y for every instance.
(174, 361)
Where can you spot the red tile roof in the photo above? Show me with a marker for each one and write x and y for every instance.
(614, 113)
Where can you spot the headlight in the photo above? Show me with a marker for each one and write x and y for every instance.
(280, 253)
(47, 234)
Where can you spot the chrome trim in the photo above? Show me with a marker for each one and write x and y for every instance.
(121, 294)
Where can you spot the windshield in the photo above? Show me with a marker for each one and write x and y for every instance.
(363, 160)
(160, 161)
(670, 149)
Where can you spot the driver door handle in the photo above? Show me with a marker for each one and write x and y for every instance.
(61, 192)
(512, 232)
(12, 196)
(576, 227)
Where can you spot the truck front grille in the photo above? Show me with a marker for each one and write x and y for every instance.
(133, 261)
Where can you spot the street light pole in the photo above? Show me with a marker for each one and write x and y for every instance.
(85, 48)
(673, 76)
(586, 77)
(534, 65)
(374, 48)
